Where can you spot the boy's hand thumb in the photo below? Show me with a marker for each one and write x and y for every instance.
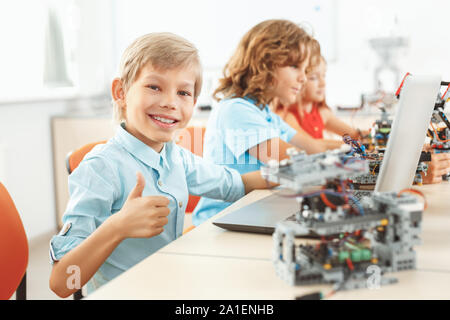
(137, 190)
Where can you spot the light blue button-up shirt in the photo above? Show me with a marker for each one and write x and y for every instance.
(102, 182)
(235, 126)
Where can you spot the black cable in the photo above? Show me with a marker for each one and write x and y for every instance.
(311, 296)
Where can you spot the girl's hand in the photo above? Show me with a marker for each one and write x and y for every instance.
(437, 167)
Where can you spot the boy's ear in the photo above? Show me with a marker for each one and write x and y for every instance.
(118, 92)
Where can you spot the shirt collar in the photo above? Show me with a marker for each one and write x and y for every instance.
(252, 100)
(140, 150)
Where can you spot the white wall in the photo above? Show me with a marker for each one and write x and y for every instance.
(95, 48)
(26, 167)
(425, 23)
(214, 26)
(27, 162)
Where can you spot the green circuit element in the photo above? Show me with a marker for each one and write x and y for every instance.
(355, 254)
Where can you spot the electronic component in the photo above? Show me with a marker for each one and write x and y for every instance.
(368, 180)
(440, 136)
(377, 230)
(379, 133)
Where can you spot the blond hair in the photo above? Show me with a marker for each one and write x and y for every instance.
(268, 45)
(315, 56)
(164, 51)
(315, 59)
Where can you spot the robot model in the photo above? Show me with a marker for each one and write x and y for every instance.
(368, 180)
(380, 130)
(356, 241)
(440, 133)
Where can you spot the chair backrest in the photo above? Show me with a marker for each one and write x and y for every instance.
(74, 158)
(13, 246)
(191, 138)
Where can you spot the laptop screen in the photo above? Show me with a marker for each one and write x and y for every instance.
(408, 133)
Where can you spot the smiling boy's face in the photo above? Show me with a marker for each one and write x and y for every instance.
(158, 103)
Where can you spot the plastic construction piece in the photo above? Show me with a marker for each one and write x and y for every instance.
(440, 142)
(356, 146)
(361, 238)
(440, 135)
(302, 171)
(379, 133)
(368, 180)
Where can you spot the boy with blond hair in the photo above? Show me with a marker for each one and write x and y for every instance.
(128, 196)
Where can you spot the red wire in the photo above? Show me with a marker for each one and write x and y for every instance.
(350, 264)
(401, 84)
(416, 192)
(326, 201)
(445, 92)
(437, 136)
(329, 294)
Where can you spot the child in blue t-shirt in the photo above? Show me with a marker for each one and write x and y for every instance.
(268, 67)
(128, 196)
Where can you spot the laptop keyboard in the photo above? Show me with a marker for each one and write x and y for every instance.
(290, 218)
(360, 194)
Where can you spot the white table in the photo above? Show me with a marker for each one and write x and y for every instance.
(212, 263)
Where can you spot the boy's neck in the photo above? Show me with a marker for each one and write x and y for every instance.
(273, 104)
(156, 146)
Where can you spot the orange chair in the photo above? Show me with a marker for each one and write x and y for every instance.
(191, 138)
(13, 249)
(73, 159)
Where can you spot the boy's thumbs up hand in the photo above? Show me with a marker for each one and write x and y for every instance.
(141, 217)
(140, 185)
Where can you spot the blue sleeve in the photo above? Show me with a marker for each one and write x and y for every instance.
(214, 181)
(92, 190)
(286, 131)
(244, 126)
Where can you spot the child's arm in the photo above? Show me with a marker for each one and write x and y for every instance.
(140, 217)
(254, 180)
(336, 125)
(320, 145)
(276, 148)
(88, 256)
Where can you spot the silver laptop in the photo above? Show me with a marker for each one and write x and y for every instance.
(397, 170)
(408, 133)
